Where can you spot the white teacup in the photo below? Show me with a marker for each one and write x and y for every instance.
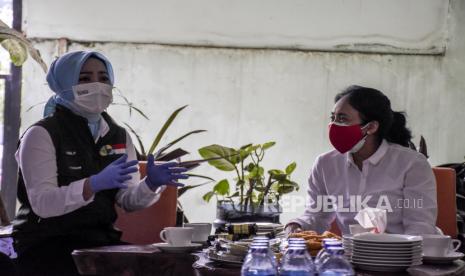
(177, 236)
(201, 231)
(439, 245)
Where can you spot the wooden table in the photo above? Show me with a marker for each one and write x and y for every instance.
(132, 260)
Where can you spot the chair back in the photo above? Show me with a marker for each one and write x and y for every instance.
(144, 226)
(447, 208)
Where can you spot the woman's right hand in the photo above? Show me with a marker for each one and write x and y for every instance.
(292, 228)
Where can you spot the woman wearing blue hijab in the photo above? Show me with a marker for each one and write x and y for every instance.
(75, 164)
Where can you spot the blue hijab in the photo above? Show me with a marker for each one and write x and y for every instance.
(63, 75)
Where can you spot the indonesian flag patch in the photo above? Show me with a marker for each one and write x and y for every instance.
(113, 149)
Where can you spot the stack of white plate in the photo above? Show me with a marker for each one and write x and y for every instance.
(347, 244)
(385, 252)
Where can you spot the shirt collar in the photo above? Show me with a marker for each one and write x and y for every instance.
(375, 157)
(103, 128)
(379, 153)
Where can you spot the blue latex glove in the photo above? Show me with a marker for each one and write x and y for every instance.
(114, 175)
(164, 174)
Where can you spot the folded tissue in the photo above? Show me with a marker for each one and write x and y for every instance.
(372, 218)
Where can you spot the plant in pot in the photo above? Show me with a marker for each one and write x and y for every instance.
(255, 197)
(165, 154)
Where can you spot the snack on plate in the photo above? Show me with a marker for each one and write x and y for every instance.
(313, 240)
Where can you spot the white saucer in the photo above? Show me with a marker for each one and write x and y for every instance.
(443, 259)
(390, 239)
(383, 268)
(166, 247)
(357, 262)
(387, 252)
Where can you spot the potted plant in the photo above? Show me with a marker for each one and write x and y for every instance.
(164, 154)
(256, 194)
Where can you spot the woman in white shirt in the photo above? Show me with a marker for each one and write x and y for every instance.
(75, 165)
(371, 166)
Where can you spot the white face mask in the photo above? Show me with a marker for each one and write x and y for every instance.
(93, 97)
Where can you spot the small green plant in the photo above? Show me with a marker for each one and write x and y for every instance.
(252, 186)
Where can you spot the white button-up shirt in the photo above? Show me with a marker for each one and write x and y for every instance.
(394, 178)
(37, 159)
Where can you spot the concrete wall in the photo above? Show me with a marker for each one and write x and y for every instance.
(246, 95)
(349, 25)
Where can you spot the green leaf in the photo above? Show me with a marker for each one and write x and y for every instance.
(256, 172)
(186, 188)
(222, 187)
(127, 103)
(284, 186)
(254, 197)
(288, 183)
(7, 33)
(139, 140)
(277, 175)
(275, 172)
(291, 167)
(249, 167)
(170, 144)
(285, 189)
(141, 113)
(165, 126)
(268, 145)
(234, 195)
(214, 151)
(35, 105)
(18, 53)
(208, 196)
(239, 184)
(259, 188)
(275, 186)
(243, 154)
(252, 148)
(245, 146)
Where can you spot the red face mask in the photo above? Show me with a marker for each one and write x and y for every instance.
(346, 138)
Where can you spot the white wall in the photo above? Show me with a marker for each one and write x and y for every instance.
(246, 95)
(336, 25)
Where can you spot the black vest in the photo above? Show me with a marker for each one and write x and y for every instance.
(78, 157)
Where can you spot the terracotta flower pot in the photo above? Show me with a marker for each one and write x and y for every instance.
(143, 226)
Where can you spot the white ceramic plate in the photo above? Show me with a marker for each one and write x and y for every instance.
(227, 259)
(384, 264)
(386, 238)
(387, 256)
(381, 248)
(443, 259)
(381, 268)
(385, 261)
(386, 252)
(166, 247)
(390, 258)
(380, 244)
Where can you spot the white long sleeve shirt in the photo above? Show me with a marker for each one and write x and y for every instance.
(394, 178)
(37, 159)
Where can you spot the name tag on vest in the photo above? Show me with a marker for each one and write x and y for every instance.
(113, 149)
